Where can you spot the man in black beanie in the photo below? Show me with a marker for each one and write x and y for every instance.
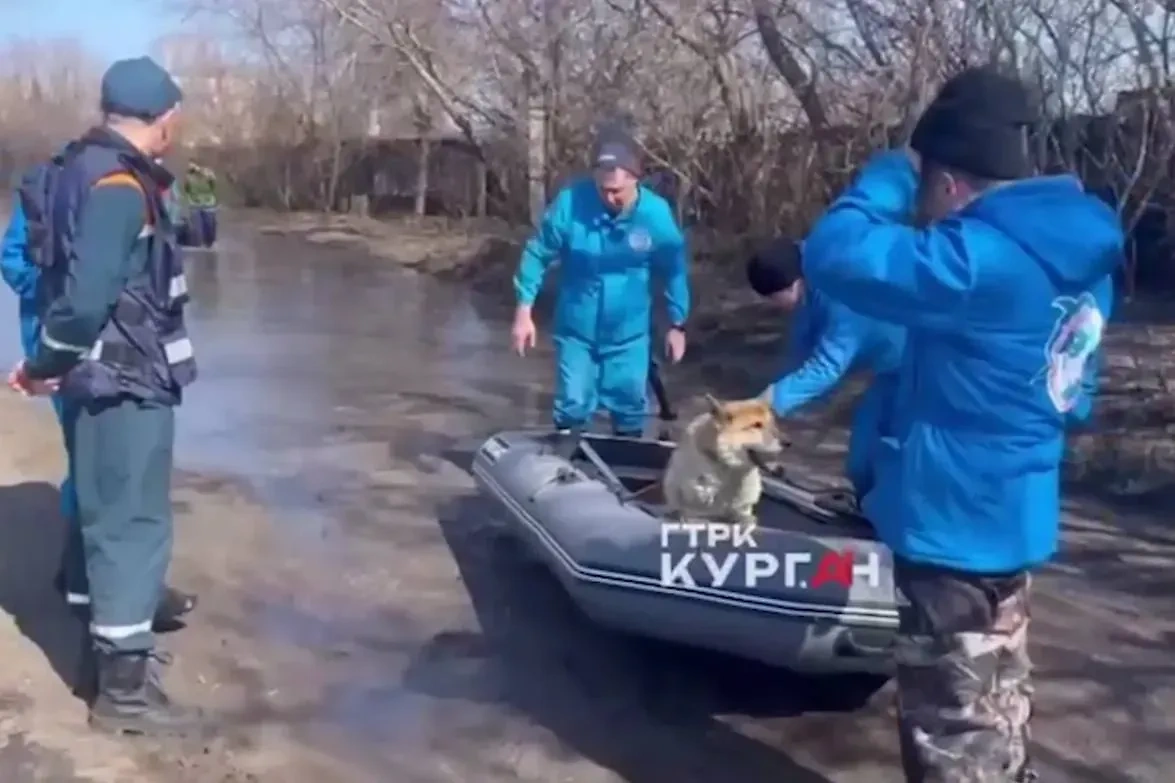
(827, 343)
(1005, 290)
(971, 138)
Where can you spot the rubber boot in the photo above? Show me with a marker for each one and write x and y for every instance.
(567, 441)
(131, 700)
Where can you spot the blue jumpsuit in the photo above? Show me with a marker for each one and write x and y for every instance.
(603, 313)
(828, 340)
(21, 275)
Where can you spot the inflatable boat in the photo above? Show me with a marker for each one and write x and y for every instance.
(810, 588)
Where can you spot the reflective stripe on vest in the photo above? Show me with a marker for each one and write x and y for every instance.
(177, 351)
(178, 290)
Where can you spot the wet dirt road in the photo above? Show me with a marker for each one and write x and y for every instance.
(363, 620)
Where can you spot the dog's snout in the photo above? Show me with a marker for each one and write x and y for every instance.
(772, 446)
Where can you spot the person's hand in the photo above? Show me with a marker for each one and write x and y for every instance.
(19, 380)
(523, 333)
(675, 344)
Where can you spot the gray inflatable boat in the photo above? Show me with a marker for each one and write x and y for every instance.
(810, 589)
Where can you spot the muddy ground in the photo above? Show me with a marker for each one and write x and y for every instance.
(363, 620)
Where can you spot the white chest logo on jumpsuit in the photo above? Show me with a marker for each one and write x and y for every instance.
(640, 240)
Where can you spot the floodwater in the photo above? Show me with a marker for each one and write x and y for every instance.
(348, 396)
(363, 619)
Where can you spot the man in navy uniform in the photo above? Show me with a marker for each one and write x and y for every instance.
(113, 343)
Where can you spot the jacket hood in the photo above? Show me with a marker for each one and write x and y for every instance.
(1075, 237)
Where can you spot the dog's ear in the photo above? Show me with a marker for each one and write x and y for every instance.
(717, 410)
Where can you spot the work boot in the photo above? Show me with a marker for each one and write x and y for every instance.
(131, 699)
(173, 605)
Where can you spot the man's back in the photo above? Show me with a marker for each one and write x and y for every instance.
(989, 381)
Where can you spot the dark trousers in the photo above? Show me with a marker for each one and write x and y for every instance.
(122, 460)
(202, 226)
(964, 690)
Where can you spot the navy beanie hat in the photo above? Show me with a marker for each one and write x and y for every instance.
(775, 267)
(979, 124)
(140, 88)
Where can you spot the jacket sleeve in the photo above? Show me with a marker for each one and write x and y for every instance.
(671, 264)
(108, 228)
(861, 255)
(543, 248)
(835, 353)
(20, 274)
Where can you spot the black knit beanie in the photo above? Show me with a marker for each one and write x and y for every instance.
(978, 124)
(775, 267)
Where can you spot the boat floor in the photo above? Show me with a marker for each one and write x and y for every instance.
(828, 507)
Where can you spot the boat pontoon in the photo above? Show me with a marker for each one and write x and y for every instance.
(810, 588)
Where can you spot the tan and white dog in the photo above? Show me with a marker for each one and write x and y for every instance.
(715, 474)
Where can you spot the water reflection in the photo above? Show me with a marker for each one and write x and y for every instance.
(302, 347)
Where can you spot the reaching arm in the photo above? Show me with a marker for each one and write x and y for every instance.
(17, 270)
(543, 249)
(861, 254)
(835, 353)
(671, 264)
(107, 230)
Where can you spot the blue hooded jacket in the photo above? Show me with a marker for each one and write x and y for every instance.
(1006, 303)
(827, 342)
(607, 264)
(21, 275)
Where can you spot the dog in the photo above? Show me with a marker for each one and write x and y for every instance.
(715, 471)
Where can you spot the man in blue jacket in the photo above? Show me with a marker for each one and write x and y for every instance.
(611, 237)
(1005, 294)
(827, 342)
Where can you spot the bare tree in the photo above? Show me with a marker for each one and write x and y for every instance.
(48, 94)
(752, 111)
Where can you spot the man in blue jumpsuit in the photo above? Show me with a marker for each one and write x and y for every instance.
(611, 237)
(113, 341)
(827, 342)
(1005, 292)
(22, 276)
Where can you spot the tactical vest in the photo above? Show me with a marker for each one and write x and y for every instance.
(143, 351)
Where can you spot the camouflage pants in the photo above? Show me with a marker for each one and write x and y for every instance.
(964, 691)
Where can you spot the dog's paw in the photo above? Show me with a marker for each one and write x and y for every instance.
(745, 522)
